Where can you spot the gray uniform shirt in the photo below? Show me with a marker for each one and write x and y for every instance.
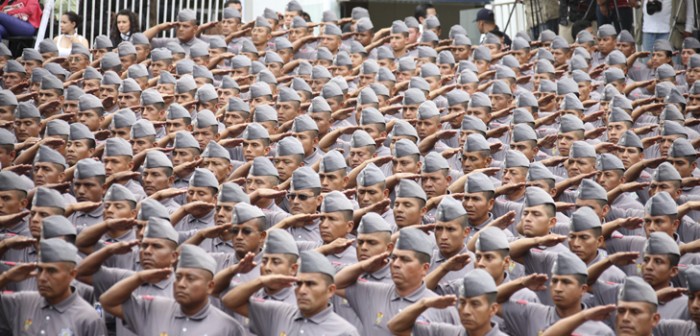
(676, 328)
(28, 313)
(377, 303)
(441, 329)
(158, 316)
(278, 318)
(529, 319)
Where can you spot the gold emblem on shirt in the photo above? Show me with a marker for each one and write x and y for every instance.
(380, 316)
(283, 333)
(27, 324)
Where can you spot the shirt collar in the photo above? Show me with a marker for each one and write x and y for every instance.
(62, 306)
(316, 319)
(379, 275)
(97, 213)
(413, 297)
(208, 218)
(280, 296)
(200, 315)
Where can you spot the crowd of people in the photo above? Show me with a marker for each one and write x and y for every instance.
(294, 177)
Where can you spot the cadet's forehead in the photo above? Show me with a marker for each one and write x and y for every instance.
(200, 273)
(643, 306)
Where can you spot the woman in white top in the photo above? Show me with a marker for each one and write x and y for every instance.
(69, 34)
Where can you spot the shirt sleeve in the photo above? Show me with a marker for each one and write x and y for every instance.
(605, 293)
(265, 315)
(537, 261)
(106, 277)
(136, 309)
(9, 305)
(434, 329)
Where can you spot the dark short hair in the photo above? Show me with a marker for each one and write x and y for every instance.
(74, 17)
(422, 10)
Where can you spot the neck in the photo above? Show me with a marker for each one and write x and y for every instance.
(194, 308)
(408, 289)
(480, 331)
(263, 203)
(480, 221)
(662, 285)
(450, 254)
(499, 280)
(311, 313)
(568, 311)
(60, 298)
(516, 195)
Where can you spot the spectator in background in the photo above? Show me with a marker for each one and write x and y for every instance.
(124, 26)
(486, 23)
(606, 13)
(423, 11)
(69, 34)
(19, 18)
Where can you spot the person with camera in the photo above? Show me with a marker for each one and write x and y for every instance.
(666, 19)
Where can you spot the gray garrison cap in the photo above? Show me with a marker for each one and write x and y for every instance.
(280, 241)
(45, 197)
(661, 243)
(492, 239)
(635, 289)
(661, 204)
(584, 219)
(57, 226)
(244, 212)
(371, 175)
(232, 192)
(192, 256)
(336, 201)
(204, 178)
(569, 264)
(314, 262)
(476, 283)
(57, 250)
(305, 178)
(414, 239)
(373, 222)
(410, 189)
(449, 209)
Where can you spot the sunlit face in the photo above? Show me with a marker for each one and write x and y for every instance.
(368, 195)
(313, 291)
(286, 165)
(46, 173)
(566, 291)
(564, 142)
(54, 279)
(660, 224)
(406, 269)
(537, 221)
(359, 155)
(247, 237)
(475, 313)
(186, 31)
(334, 225)
(630, 155)
(435, 183)
(408, 211)
(331, 181)
(372, 244)
(12, 201)
(478, 206)
(192, 286)
(584, 244)
(88, 189)
(492, 262)
(450, 236)
(119, 209)
(578, 166)
(610, 179)
(260, 35)
(304, 201)
(635, 318)
(77, 150)
(474, 160)
(155, 179)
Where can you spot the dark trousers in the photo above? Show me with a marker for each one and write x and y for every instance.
(626, 19)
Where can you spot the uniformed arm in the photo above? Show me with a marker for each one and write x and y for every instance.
(88, 237)
(210, 232)
(222, 279)
(188, 208)
(92, 263)
(17, 273)
(349, 275)
(521, 247)
(15, 242)
(114, 297)
(332, 137)
(155, 30)
(427, 144)
(535, 282)
(632, 173)
(455, 263)
(237, 299)
(566, 326)
(402, 323)
(352, 175)
(627, 222)
(569, 182)
(618, 259)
